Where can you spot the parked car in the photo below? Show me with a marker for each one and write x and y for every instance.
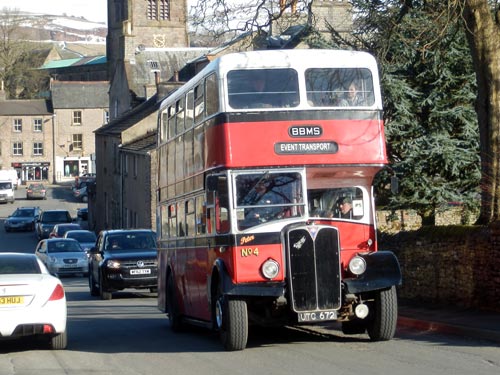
(62, 256)
(123, 258)
(86, 238)
(36, 191)
(81, 194)
(6, 191)
(23, 218)
(32, 302)
(60, 229)
(47, 219)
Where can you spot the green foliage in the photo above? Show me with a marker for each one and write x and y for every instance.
(429, 90)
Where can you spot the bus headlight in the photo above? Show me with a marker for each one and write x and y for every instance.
(357, 265)
(270, 269)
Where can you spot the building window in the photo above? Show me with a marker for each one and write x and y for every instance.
(158, 10)
(17, 148)
(37, 125)
(38, 148)
(106, 117)
(18, 125)
(77, 117)
(77, 142)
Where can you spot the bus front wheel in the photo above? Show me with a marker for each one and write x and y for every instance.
(231, 317)
(383, 325)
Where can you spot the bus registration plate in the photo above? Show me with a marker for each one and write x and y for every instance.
(317, 316)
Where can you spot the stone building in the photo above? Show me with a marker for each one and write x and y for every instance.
(79, 109)
(27, 138)
(147, 43)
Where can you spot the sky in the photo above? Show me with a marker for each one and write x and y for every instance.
(92, 10)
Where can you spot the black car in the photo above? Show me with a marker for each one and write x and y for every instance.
(47, 219)
(23, 218)
(123, 258)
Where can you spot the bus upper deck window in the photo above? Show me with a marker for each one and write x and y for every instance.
(263, 88)
(339, 87)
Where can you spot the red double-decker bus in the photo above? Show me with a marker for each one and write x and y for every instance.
(265, 203)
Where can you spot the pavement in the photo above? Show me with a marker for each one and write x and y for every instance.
(477, 324)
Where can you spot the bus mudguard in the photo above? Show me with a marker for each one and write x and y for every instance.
(382, 272)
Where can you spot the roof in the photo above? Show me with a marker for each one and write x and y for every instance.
(141, 145)
(32, 107)
(130, 118)
(76, 94)
(79, 61)
(165, 62)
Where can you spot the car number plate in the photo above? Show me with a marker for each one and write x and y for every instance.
(12, 300)
(71, 265)
(144, 271)
(317, 316)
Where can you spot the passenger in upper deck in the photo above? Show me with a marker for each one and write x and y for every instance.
(353, 97)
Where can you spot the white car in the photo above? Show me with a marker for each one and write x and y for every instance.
(32, 302)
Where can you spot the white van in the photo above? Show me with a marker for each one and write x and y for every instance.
(6, 191)
(10, 174)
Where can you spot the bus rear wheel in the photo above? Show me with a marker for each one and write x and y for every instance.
(382, 326)
(172, 306)
(231, 317)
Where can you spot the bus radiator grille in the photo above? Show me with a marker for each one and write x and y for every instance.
(314, 268)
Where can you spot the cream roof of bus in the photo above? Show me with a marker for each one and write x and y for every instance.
(300, 59)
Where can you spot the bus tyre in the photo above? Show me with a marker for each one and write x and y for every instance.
(172, 306)
(232, 322)
(382, 326)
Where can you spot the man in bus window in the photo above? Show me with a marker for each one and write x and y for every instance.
(345, 207)
(353, 98)
(265, 196)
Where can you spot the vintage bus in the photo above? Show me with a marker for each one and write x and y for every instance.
(265, 210)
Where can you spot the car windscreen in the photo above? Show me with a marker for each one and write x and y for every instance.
(83, 237)
(18, 265)
(130, 241)
(55, 217)
(64, 247)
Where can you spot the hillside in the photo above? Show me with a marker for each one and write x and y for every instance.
(66, 33)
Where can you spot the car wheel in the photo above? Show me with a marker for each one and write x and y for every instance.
(104, 293)
(231, 317)
(59, 342)
(382, 326)
(173, 306)
(94, 291)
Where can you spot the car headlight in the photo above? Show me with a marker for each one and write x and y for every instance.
(53, 259)
(357, 265)
(113, 264)
(270, 269)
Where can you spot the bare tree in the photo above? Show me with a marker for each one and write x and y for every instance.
(223, 19)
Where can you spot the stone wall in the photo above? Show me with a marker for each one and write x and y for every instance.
(448, 265)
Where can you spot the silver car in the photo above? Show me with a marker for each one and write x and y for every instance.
(86, 238)
(63, 256)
